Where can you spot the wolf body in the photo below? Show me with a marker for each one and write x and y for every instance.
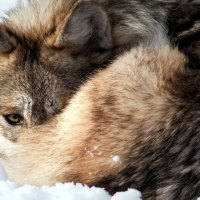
(143, 110)
(45, 137)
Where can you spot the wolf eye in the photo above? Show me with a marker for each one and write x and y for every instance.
(14, 119)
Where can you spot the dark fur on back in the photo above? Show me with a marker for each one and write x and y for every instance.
(149, 115)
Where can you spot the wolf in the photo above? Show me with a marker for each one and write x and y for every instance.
(49, 48)
(132, 124)
(81, 36)
(50, 134)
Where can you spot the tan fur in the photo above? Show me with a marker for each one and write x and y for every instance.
(137, 109)
(79, 144)
(49, 14)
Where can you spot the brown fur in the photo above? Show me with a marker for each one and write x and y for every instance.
(143, 107)
(123, 110)
(48, 48)
(64, 42)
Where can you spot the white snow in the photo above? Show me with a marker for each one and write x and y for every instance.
(70, 191)
(116, 158)
(6, 5)
(130, 194)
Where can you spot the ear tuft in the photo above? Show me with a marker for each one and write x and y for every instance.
(87, 29)
(7, 42)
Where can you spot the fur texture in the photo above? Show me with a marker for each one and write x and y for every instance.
(143, 108)
(137, 108)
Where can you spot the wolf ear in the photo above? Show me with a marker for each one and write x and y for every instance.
(7, 42)
(87, 29)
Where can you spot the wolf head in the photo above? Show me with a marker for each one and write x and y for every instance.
(46, 50)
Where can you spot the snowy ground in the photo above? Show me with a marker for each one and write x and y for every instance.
(69, 191)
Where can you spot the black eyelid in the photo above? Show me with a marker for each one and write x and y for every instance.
(14, 123)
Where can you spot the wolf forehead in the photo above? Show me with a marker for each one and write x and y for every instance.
(34, 88)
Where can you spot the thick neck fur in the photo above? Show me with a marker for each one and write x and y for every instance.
(147, 101)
